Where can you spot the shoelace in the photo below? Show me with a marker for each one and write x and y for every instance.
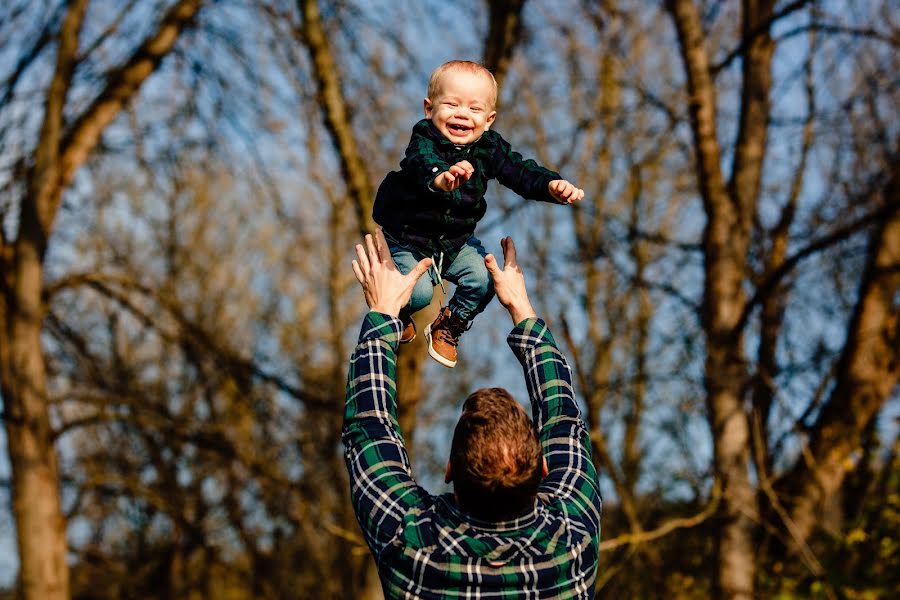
(437, 264)
(451, 330)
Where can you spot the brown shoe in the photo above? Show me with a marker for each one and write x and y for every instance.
(409, 332)
(443, 337)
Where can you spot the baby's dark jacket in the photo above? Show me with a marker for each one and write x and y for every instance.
(413, 212)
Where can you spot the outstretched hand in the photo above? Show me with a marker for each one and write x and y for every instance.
(565, 192)
(509, 283)
(386, 289)
(454, 177)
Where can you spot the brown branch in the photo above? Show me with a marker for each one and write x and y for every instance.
(761, 28)
(667, 527)
(866, 375)
(858, 32)
(122, 86)
(39, 206)
(106, 285)
(701, 102)
(773, 307)
(504, 33)
(771, 280)
(337, 115)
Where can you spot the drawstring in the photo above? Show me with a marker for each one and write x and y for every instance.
(436, 266)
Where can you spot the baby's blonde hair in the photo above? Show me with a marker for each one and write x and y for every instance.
(434, 84)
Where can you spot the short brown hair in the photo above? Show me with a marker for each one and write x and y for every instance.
(434, 84)
(495, 457)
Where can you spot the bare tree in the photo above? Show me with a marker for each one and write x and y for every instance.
(67, 136)
(730, 205)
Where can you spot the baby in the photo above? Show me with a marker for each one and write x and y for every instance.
(429, 208)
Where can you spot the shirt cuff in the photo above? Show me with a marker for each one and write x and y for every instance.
(381, 326)
(528, 334)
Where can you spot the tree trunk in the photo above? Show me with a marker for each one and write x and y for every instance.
(867, 374)
(40, 524)
(504, 34)
(729, 213)
(331, 99)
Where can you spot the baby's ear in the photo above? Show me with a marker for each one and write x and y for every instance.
(427, 106)
(490, 119)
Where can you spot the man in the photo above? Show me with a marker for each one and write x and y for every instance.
(524, 521)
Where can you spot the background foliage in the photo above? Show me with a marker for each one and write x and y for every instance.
(197, 307)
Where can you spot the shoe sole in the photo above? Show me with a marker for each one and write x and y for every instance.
(434, 353)
(414, 335)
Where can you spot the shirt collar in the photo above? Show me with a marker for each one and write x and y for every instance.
(520, 522)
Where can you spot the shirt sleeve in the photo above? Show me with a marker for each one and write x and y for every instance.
(564, 437)
(382, 487)
(422, 161)
(523, 176)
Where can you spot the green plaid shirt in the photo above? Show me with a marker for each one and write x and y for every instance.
(434, 221)
(423, 545)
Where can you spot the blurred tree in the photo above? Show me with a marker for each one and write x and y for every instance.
(716, 290)
(867, 372)
(70, 130)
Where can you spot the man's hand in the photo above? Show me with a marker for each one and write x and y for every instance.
(454, 177)
(565, 192)
(386, 289)
(509, 284)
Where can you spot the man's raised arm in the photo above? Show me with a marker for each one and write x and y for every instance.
(564, 438)
(381, 482)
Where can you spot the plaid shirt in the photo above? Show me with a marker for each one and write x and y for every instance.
(434, 221)
(424, 546)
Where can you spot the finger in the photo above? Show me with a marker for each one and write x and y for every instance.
(420, 268)
(373, 253)
(491, 263)
(509, 253)
(363, 259)
(358, 272)
(466, 166)
(381, 246)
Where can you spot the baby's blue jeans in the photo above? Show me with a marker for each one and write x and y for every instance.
(474, 286)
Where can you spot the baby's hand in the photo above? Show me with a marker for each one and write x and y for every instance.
(454, 177)
(565, 192)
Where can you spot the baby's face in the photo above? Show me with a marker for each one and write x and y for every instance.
(463, 108)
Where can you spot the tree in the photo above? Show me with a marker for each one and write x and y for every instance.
(726, 292)
(66, 138)
(730, 204)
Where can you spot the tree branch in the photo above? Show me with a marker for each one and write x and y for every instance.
(337, 120)
(105, 285)
(761, 28)
(667, 527)
(772, 279)
(123, 85)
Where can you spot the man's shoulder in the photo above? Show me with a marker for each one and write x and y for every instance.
(577, 525)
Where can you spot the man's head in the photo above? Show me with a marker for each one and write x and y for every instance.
(461, 99)
(495, 463)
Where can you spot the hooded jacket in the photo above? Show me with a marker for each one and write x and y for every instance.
(412, 211)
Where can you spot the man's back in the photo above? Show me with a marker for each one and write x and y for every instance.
(442, 553)
(427, 547)
(424, 546)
